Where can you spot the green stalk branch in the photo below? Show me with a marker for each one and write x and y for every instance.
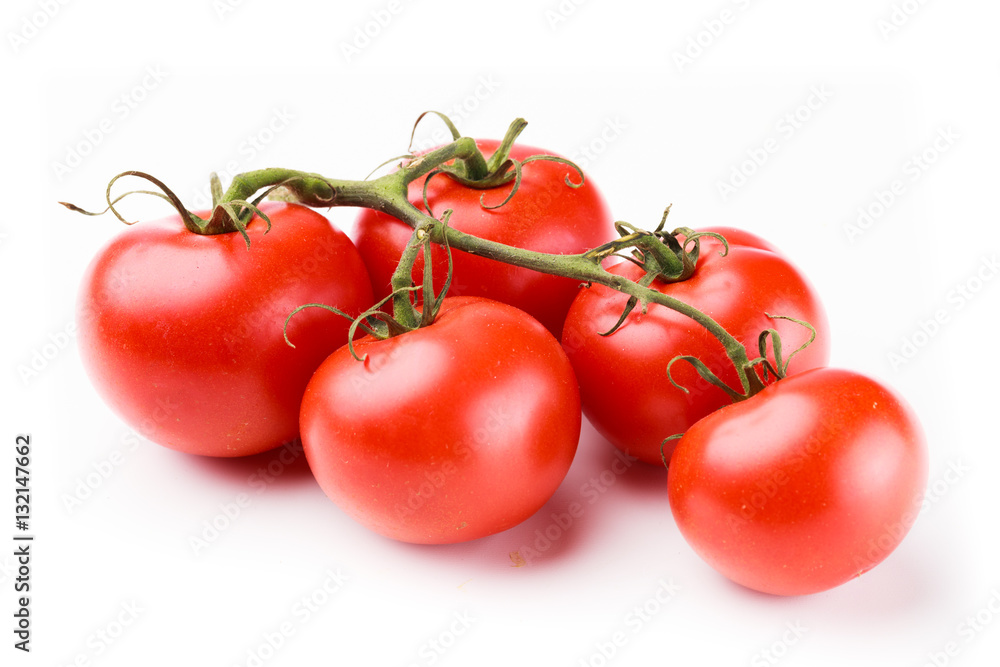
(461, 160)
(388, 194)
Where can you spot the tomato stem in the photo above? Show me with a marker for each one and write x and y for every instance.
(388, 194)
(660, 253)
(584, 267)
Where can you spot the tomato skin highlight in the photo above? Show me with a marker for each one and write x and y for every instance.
(802, 487)
(623, 377)
(448, 433)
(545, 215)
(181, 334)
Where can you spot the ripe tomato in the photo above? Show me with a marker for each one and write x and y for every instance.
(545, 215)
(448, 433)
(811, 482)
(182, 334)
(623, 377)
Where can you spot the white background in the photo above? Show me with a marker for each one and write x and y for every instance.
(601, 77)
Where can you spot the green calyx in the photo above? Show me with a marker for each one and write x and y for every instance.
(405, 317)
(669, 257)
(478, 172)
(233, 209)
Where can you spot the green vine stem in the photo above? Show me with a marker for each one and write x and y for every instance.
(659, 252)
(388, 194)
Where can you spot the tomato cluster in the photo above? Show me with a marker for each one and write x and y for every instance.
(465, 425)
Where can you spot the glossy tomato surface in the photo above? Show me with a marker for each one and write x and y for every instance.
(804, 486)
(447, 433)
(181, 334)
(623, 377)
(545, 215)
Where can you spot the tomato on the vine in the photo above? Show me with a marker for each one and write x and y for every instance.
(623, 376)
(545, 215)
(182, 334)
(802, 487)
(447, 433)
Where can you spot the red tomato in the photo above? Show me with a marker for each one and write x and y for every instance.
(623, 377)
(545, 215)
(182, 334)
(808, 484)
(448, 433)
